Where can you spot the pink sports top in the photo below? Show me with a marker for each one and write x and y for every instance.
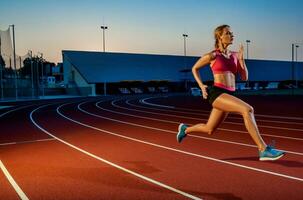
(223, 65)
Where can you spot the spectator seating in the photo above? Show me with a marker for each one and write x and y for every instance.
(195, 91)
(272, 85)
(256, 86)
(136, 90)
(124, 91)
(163, 89)
(151, 89)
(242, 86)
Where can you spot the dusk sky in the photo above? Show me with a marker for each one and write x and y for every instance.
(153, 27)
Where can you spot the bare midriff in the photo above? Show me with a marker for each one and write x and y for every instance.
(225, 80)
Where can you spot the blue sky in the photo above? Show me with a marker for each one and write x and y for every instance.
(155, 27)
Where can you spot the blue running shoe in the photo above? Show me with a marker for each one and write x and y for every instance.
(270, 154)
(181, 132)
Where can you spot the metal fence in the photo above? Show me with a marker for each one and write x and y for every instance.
(26, 89)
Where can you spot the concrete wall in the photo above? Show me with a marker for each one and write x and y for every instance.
(76, 84)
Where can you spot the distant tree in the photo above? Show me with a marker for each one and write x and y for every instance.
(37, 64)
(26, 69)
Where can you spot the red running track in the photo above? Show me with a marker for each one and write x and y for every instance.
(125, 148)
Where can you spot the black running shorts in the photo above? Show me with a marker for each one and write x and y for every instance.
(214, 92)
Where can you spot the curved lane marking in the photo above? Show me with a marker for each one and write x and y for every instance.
(103, 160)
(19, 191)
(177, 150)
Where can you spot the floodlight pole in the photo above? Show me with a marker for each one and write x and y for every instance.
(103, 30)
(185, 64)
(247, 42)
(1, 67)
(296, 75)
(42, 73)
(16, 83)
(30, 53)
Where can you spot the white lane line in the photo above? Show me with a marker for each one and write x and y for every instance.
(177, 122)
(195, 111)
(177, 150)
(25, 142)
(106, 161)
(19, 191)
(165, 130)
(14, 110)
(19, 108)
(224, 129)
(207, 114)
(194, 118)
(2, 107)
(138, 116)
(279, 117)
(157, 105)
(143, 101)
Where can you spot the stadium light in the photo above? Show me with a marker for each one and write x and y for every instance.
(185, 36)
(247, 42)
(14, 44)
(1, 67)
(185, 63)
(103, 30)
(297, 46)
(30, 54)
(294, 60)
(42, 72)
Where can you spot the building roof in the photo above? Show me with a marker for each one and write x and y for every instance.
(98, 67)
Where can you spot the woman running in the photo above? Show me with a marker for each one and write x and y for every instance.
(225, 65)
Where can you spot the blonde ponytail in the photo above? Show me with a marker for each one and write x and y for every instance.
(218, 33)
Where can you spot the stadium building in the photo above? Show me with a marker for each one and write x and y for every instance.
(94, 73)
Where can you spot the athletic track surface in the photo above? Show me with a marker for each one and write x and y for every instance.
(124, 147)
